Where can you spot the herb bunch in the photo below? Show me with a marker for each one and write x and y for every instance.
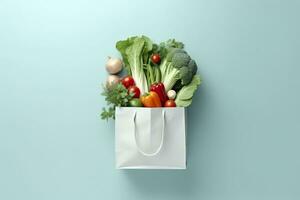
(116, 95)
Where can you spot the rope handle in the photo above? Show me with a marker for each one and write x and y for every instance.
(161, 141)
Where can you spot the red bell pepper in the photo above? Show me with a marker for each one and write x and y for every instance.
(159, 88)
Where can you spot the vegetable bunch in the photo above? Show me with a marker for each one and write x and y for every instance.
(157, 75)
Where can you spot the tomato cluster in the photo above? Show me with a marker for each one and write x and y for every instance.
(129, 83)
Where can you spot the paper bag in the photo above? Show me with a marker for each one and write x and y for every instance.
(150, 138)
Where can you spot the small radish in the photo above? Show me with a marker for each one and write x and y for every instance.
(171, 94)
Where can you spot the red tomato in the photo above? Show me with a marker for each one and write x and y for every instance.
(170, 103)
(155, 58)
(135, 90)
(128, 81)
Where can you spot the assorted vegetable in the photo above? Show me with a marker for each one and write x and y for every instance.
(171, 94)
(170, 103)
(136, 102)
(111, 80)
(157, 75)
(128, 81)
(159, 88)
(185, 95)
(113, 65)
(177, 66)
(135, 91)
(134, 51)
(155, 58)
(115, 96)
(151, 99)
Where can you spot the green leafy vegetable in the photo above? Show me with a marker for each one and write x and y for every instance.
(116, 96)
(135, 52)
(185, 94)
(122, 46)
(176, 65)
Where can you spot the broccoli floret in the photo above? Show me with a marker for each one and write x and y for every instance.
(172, 52)
(193, 67)
(177, 65)
(180, 59)
(185, 75)
(174, 43)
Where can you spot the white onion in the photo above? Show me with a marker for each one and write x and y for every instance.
(113, 65)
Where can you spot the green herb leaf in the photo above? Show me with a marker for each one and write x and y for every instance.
(116, 96)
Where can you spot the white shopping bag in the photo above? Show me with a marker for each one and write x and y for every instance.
(150, 138)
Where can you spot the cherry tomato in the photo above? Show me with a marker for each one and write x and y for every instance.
(155, 58)
(135, 90)
(128, 81)
(170, 103)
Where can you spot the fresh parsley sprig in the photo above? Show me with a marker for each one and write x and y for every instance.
(115, 95)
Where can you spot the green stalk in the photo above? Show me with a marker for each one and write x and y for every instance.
(171, 79)
(157, 75)
(151, 75)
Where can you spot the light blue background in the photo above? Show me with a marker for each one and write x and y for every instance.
(243, 139)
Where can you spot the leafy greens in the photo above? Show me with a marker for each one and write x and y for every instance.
(116, 96)
(185, 95)
(135, 51)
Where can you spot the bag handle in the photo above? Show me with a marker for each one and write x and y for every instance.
(161, 141)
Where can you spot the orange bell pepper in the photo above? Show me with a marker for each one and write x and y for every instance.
(151, 99)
